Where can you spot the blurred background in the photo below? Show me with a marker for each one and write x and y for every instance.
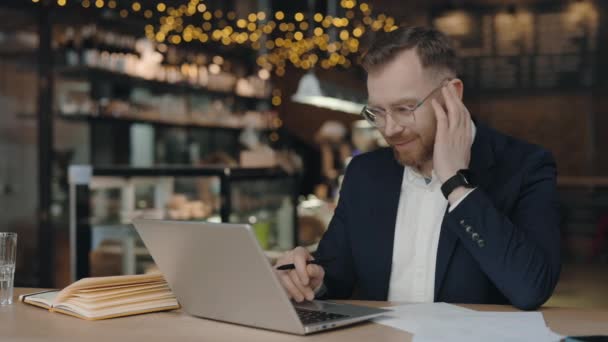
(248, 111)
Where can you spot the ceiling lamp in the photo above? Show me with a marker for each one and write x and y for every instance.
(327, 95)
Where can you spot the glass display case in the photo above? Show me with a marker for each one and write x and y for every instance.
(104, 201)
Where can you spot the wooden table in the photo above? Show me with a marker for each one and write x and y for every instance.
(20, 322)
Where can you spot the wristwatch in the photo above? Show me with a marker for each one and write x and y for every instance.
(463, 178)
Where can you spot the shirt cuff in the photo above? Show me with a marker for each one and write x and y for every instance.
(452, 207)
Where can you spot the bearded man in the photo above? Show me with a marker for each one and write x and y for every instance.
(453, 211)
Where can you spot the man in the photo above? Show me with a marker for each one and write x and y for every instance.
(452, 212)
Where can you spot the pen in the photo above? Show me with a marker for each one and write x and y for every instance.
(320, 262)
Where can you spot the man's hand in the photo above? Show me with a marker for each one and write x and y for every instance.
(453, 139)
(302, 282)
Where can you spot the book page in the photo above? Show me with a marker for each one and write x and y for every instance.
(122, 296)
(105, 282)
(120, 291)
(118, 311)
(124, 301)
(115, 287)
(41, 299)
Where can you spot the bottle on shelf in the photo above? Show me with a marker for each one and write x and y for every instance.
(285, 226)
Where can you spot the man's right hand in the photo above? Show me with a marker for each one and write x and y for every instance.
(302, 282)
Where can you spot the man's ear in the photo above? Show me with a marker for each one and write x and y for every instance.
(459, 86)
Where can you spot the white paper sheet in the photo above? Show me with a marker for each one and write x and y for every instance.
(441, 322)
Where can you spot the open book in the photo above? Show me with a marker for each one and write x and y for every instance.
(108, 297)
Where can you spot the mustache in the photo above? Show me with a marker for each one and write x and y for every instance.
(400, 140)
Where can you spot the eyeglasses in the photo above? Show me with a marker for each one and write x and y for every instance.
(403, 115)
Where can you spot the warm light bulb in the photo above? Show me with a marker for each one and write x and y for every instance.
(176, 39)
(214, 69)
(219, 60)
(264, 74)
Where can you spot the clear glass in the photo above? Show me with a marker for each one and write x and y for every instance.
(8, 253)
(403, 115)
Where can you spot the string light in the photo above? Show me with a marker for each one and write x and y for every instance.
(175, 39)
(276, 101)
(292, 45)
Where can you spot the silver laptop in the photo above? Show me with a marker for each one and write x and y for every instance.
(218, 271)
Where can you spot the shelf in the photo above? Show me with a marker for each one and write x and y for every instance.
(158, 123)
(233, 173)
(181, 87)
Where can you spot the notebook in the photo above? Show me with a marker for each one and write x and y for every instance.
(108, 297)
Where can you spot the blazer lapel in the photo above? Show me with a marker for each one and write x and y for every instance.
(482, 158)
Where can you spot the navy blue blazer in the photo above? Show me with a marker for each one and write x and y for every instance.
(514, 211)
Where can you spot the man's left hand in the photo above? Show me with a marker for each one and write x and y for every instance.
(453, 140)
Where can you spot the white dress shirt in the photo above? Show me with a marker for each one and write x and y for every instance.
(419, 217)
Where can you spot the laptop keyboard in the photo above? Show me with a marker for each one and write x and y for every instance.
(312, 317)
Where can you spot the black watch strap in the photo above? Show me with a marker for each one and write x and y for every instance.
(461, 178)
